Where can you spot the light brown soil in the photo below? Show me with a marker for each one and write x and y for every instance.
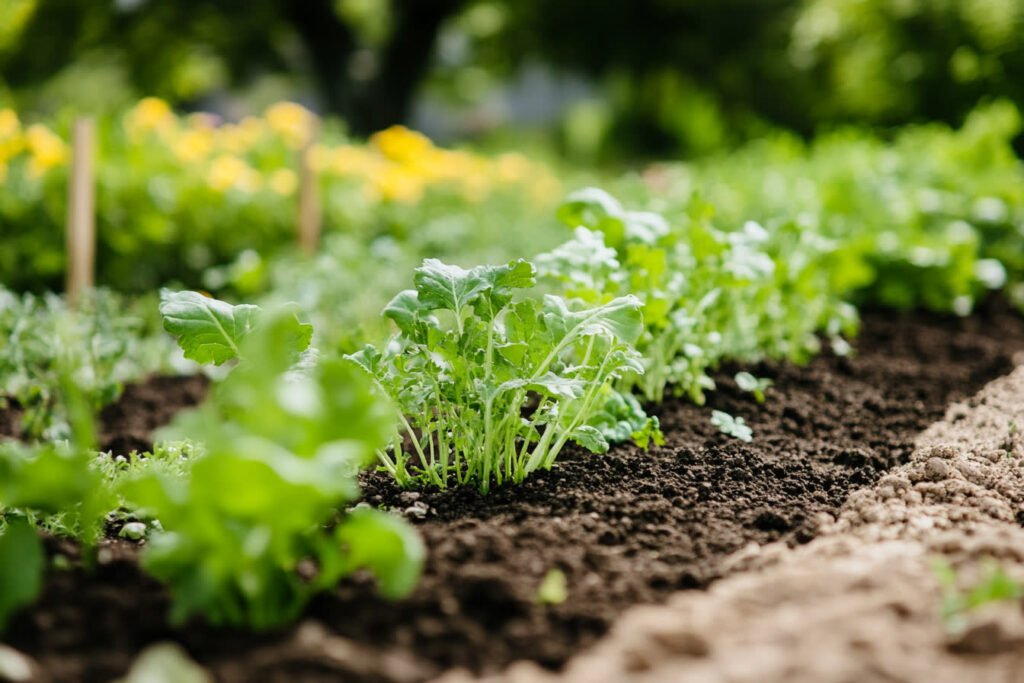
(861, 602)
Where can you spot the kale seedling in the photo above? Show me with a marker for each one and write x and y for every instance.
(735, 427)
(468, 360)
(747, 382)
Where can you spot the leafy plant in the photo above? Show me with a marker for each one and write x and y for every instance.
(257, 524)
(104, 343)
(53, 485)
(735, 427)
(708, 295)
(492, 388)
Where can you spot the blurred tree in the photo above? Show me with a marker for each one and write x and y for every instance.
(365, 58)
(679, 76)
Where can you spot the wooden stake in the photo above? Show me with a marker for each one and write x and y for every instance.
(81, 224)
(310, 216)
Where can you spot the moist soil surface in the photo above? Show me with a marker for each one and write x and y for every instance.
(624, 528)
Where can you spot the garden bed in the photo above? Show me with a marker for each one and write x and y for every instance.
(624, 528)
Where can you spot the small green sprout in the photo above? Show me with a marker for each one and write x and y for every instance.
(735, 427)
(747, 382)
(553, 588)
(995, 585)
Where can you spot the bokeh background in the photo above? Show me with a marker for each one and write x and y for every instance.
(598, 78)
(453, 128)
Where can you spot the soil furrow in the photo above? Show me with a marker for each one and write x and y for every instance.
(624, 528)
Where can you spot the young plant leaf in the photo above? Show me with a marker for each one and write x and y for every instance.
(21, 567)
(211, 331)
(385, 545)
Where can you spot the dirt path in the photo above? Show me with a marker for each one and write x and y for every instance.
(861, 602)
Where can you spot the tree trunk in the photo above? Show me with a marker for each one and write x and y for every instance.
(386, 97)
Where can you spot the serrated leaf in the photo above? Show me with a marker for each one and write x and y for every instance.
(213, 331)
(208, 330)
(406, 311)
(620, 318)
(548, 383)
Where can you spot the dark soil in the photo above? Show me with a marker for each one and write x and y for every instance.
(624, 528)
(127, 425)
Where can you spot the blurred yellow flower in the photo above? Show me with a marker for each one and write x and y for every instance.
(349, 160)
(151, 113)
(394, 183)
(46, 148)
(293, 122)
(193, 145)
(228, 172)
(252, 129)
(398, 143)
(11, 147)
(283, 181)
(8, 123)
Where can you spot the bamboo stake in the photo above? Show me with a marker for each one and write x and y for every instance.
(310, 213)
(81, 225)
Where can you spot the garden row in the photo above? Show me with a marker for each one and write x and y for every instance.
(249, 508)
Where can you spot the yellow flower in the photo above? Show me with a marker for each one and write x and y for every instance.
(11, 147)
(46, 148)
(231, 138)
(193, 145)
(9, 124)
(252, 130)
(241, 137)
(151, 113)
(352, 160)
(283, 181)
(229, 172)
(392, 182)
(293, 122)
(398, 143)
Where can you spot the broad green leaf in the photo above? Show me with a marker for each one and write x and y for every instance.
(590, 438)
(21, 568)
(448, 287)
(621, 318)
(208, 330)
(406, 311)
(549, 384)
(386, 545)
